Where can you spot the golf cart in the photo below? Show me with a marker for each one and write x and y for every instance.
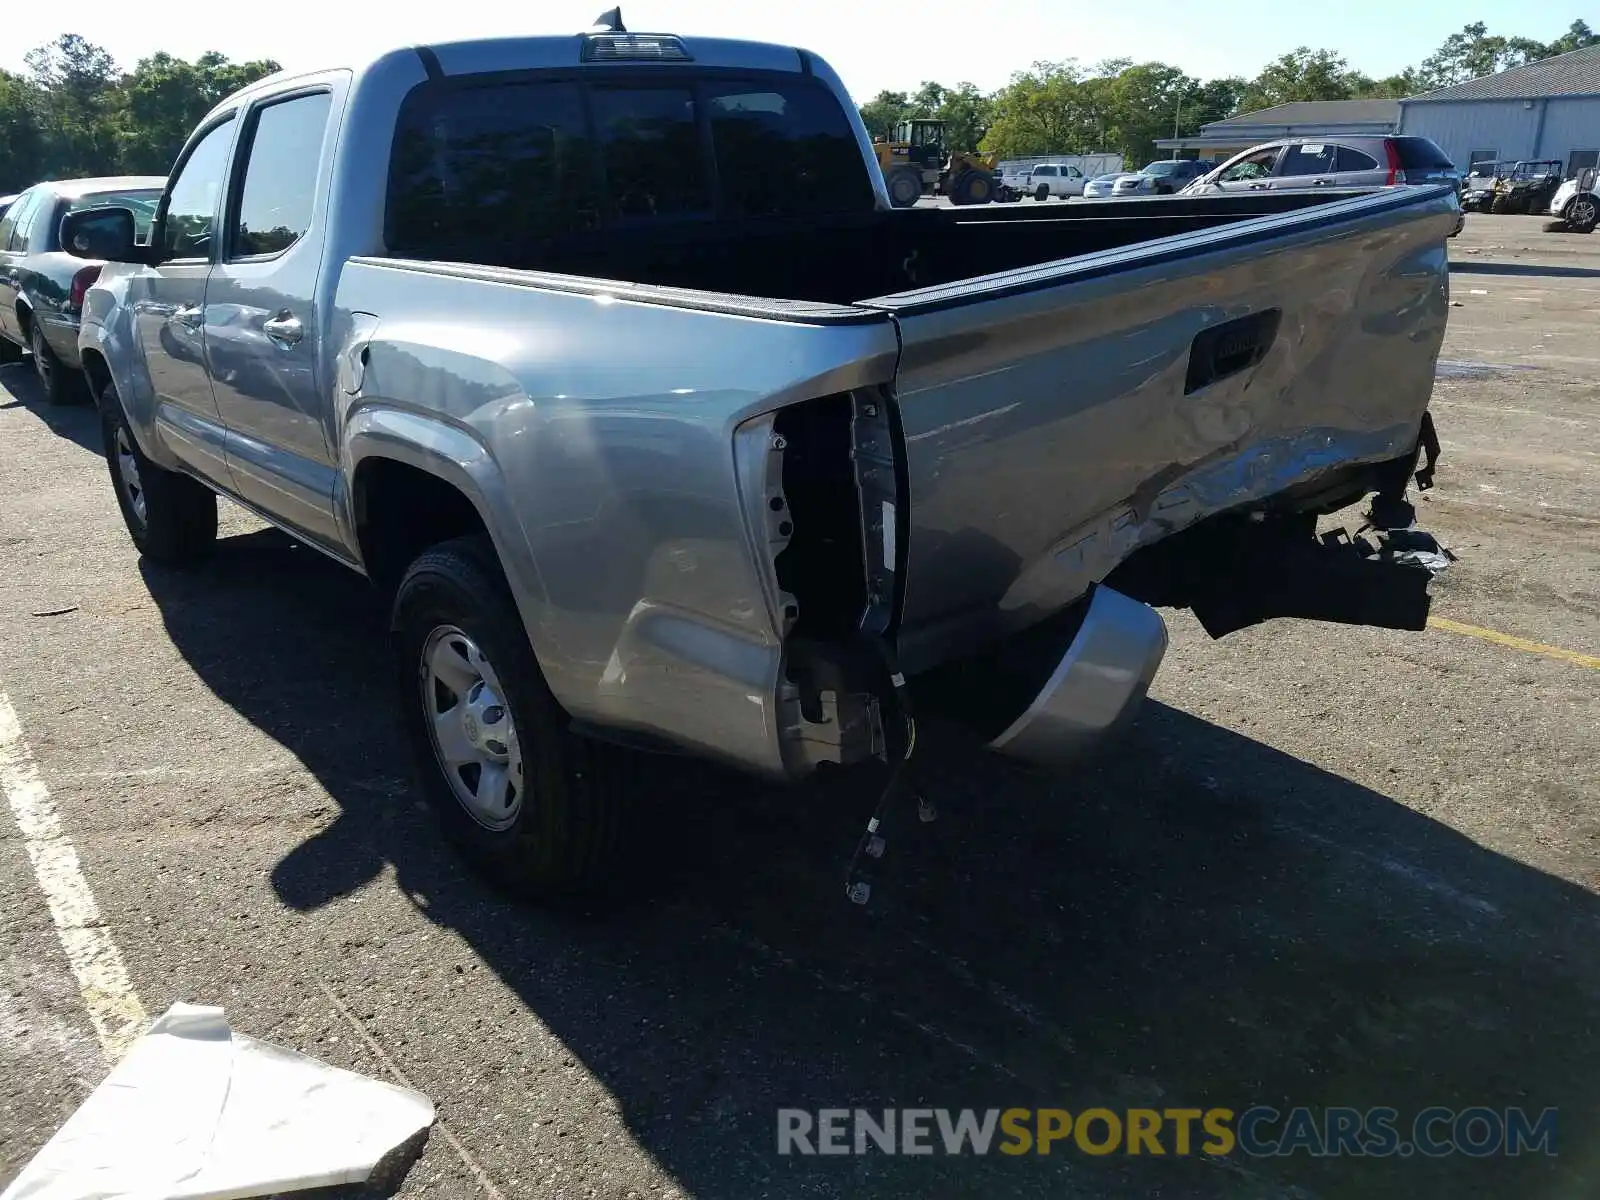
(1528, 188)
(1477, 189)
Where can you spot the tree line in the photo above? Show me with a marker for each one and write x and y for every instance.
(1122, 106)
(73, 113)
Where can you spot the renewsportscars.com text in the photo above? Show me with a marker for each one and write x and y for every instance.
(1258, 1131)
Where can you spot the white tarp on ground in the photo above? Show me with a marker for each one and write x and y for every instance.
(197, 1112)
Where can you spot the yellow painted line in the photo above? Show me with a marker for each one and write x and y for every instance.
(1515, 643)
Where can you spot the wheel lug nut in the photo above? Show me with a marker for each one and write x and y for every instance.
(492, 714)
(495, 747)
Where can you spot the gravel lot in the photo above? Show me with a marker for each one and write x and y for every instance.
(1329, 866)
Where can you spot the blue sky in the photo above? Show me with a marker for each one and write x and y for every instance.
(874, 44)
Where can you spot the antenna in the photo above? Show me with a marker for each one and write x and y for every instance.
(610, 22)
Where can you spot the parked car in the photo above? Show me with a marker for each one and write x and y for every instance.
(1577, 201)
(42, 284)
(1161, 178)
(1099, 188)
(662, 429)
(1299, 164)
(1060, 180)
(1291, 164)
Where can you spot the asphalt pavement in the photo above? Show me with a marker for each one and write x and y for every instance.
(1328, 866)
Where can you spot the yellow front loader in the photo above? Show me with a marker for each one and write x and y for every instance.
(915, 164)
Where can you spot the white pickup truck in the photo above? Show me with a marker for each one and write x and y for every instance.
(606, 357)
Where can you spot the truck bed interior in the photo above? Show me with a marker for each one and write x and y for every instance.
(850, 257)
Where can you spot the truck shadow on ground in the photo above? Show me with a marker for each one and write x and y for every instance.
(79, 422)
(1193, 919)
(1472, 267)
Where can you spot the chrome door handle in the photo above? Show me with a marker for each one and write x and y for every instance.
(285, 328)
(1321, 182)
(190, 316)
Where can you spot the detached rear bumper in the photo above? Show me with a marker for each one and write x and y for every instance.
(1097, 685)
(1049, 693)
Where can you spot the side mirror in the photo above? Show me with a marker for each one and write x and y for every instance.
(104, 233)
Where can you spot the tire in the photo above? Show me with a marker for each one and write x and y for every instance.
(62, 385)
(1583, 214)
(558, 821)
(905, 187)
(171, 517)
(1043, 193)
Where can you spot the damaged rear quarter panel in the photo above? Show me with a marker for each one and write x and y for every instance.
(604, 433)
(1047, 427)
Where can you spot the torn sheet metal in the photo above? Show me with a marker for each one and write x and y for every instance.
(197, 1112)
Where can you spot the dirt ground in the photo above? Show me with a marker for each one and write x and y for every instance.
(1328, 866)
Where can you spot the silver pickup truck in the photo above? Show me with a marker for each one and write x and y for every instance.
(608, 359)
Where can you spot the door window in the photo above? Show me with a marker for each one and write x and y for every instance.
(192, 199)
(1314, 158)
(280, 176)
(1255, 166)
(1346, 159)
(15, 226)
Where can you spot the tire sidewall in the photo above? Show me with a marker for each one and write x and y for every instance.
(111, 420)
(441, 590)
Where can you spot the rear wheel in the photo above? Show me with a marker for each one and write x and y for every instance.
(1583, 214)
(1043, 192)
(905, 187)
(536, 808)
(171, 517)
(60, 382)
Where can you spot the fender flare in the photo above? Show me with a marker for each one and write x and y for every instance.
(454, 455)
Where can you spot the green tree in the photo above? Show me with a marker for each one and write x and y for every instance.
(884, 111)
(21, 143)
(1302, 74)
(164, 97)
(965, 112)
(75, 83)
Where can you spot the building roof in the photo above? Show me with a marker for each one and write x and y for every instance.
(1316, 112)
(1575, 73)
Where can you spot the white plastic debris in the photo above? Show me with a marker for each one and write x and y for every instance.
(197, 1112)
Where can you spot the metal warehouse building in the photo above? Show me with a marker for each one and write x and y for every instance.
(1546, 109)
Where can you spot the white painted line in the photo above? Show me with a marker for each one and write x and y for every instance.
(119, 1019)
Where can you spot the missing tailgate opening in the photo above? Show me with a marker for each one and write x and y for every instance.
(841, 481)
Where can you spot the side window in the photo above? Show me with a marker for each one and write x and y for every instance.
(15, 226)
(1309, 159)
(280, 176)
(1075, 173)
(651, 149)
(1257, 166)
(1347, 159)
(490, 170)
(1044, 172)
(192, 199)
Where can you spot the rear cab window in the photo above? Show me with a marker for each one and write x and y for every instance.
(484, 169)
